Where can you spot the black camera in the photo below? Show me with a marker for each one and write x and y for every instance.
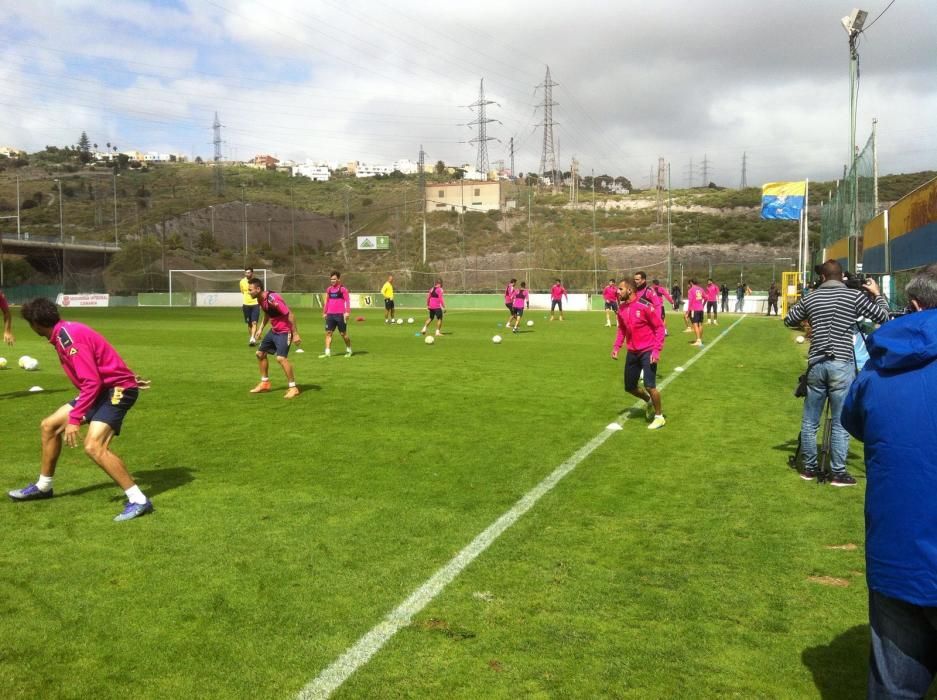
(856, 281)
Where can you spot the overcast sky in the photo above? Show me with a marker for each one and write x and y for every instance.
(371, 80)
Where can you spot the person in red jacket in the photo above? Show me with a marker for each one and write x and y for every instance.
(641, 330)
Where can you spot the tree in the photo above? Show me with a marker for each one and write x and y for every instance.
(84, 148)
(440, 167)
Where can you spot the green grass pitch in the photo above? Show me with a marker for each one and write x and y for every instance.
(688, 562)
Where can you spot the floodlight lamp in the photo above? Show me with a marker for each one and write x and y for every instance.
(854, 21)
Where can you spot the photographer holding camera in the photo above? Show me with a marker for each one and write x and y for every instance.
(891, 408)
(832, 310)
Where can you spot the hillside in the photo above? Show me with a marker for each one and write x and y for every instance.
(169, 217)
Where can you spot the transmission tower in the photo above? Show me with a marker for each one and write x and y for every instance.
(481, 158)
(513, 174)
(705, 182)
(744, 183)
(548, 155)
(219, 175)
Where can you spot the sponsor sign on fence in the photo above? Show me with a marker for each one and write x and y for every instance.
(82, 299)
(373, 242)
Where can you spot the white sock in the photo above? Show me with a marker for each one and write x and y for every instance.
(265, 379)
(659, 415)
(135, 495)
(44, 483)
(328, 351)
(292, 385)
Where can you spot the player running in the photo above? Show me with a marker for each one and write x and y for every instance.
(521, 298)
(335, 311)
(557, 294)
(610, 295)
(642, 332)
(107, 389)
(509, 293)
(7, 320)
(283, 333)
(436, 305)
(249, 306)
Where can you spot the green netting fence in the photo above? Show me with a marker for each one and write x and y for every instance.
(853, 204)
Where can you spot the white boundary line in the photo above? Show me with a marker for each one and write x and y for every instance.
(356, 656)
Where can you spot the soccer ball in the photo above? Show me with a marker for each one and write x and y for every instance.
(799, 339)
(530, 323)
(3, 363)
(31, 364)
(496, 339)
(410, 320)
(22, 361)
(399, 321)
(429, 340)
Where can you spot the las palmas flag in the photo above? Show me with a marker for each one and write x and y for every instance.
(782, 200)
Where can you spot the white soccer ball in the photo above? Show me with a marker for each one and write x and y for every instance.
(410, 320)
(31, 364)
(429, 340)
(23, 359)
(3, 363)
(399, 321)
(530, 323)
(799, 339)
(496, 339)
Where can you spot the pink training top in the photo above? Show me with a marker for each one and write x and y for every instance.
(277, 311)
(662, 292)
(557, 292)
(696, 298)
(520, 298)
(91, 363)
(639, 324)
(434, 298)
(610, 293)
(337, 300)
(3, 302)
(648, 293)
(712, 292)
(509, 293)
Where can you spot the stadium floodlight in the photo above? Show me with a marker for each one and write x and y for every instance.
(854, 22)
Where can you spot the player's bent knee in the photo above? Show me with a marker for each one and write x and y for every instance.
(260, 354)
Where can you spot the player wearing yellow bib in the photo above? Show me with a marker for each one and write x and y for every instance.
(387, 291)
(249, 305)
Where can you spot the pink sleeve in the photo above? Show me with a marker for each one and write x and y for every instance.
(659, 332)
(3, 303)
(347, 297)
(620, 335)
(86, 377)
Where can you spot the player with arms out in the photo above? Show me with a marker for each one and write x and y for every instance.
(107, 389)
(642, 332)
(335, 311)
(610, 297)
(283, 333)
(249, 306)
(436, 306)
(7, 320)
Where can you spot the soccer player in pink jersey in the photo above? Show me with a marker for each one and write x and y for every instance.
(521, 299)
(7, 320)
(107, 389)
(641, 330)
(509, 293)
(436, 305)
(283, 333)
(335, 311)
(610, 296)
(712, 303)
(696, 300)
(557, 294)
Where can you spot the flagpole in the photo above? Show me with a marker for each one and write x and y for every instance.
(806, 227)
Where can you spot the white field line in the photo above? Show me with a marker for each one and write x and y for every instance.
(356, 656)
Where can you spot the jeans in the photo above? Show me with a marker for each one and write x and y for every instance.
(903, 657)
(738, 304)
(828, 378)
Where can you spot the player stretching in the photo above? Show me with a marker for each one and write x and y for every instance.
(107, 389)
(249, 306)
(557, 294)
(663, 294)
(642, 332)
(610, 295)
(696, 299)
(336, 311)
(7, 320)
(387, 291)
(509, 293)
(283, 333)
(436, 305)
(521, 298)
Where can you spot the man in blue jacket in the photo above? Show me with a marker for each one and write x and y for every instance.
(892, 408)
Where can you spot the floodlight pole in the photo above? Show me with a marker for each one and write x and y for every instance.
(853, 25)
(669, 234)
(61, 231)
(116, 241)
(595, 249)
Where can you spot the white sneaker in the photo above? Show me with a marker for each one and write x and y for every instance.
(438, 334)
(348, 353)
(658, 423)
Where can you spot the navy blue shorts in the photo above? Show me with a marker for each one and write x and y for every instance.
(510, 307)
(276, 343)
(435, 313)
(111, 406)
(611, 305)
(711, 307)
(519, 311)
(554, 303)
(333, 321)
(696, 317)
(388, 304)
(251, 313)
(635, 363)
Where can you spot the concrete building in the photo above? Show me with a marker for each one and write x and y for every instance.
(314, 171)
(406, 166)
(467, 195)
(263, 162)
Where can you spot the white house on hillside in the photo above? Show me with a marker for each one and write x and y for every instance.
(314, 171)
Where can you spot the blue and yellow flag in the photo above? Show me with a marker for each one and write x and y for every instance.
(782, 200)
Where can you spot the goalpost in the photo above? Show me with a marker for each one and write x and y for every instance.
(215, 287)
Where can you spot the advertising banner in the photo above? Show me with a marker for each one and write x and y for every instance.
(82, 299)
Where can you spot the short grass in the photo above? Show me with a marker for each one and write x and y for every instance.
(689, 562)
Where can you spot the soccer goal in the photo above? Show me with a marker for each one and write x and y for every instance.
(215, 287)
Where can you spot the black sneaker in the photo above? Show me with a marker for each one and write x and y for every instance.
(808, 474)
(842, 479)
